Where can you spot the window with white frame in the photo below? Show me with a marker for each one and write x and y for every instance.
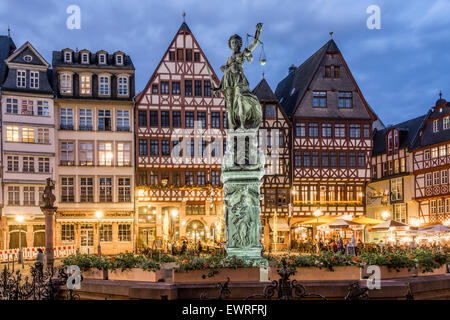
(440, 206)
(67, 153)
(119, 59)
(12, 134)
(67, 189)
(122, 86)
(28, 134)
(28, 164)
(43, 135)
(13, 163)
(14, 195)
(446, 123)
(442, 151)
(42, 108)
(85, 119)
(67, 57)
(434, 153)
(86, 153)
(85, 57)
(104, 85)
(123, 154)
(102, 58)
(66, 119)
(444, 177)
(124, 189)
(400, 212)
(86, 189)
(429, 179)
(68, 232)
(65, 83)
(27, 107)
(105, 232)
(124, 232)
(436, 178)
(104, 120)
(28, 196)
(85, 84)
(34, 79)
(436, 125)
(427, 155)
(105, 189)
(21, 78)
(397, 189)
(12, 106)
(105, 154)
(43, 165)
(123, 120)
(433, 206)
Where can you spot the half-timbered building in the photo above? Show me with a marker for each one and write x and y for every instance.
(275, 134)
(431, 164)
(180, 130)
(332, 136)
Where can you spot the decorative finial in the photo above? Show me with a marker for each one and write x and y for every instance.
(263, 74)
(184, 17)
(9, 32)
(440, 94)
(331, 34)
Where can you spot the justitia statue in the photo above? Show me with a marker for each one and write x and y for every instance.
(243, 163)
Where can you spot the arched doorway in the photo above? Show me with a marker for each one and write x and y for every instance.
(195, 231)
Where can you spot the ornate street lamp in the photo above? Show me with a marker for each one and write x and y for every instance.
(99, 215)
(19, 220)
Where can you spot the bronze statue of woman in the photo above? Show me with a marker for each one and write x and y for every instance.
(243, 108)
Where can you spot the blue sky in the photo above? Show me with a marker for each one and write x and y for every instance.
(400, 68)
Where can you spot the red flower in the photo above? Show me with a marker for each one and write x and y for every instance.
(436, 263)
(354, 258)
(389, 258)
(205, 265)
(333, 258)
(185, 261)
(112, 259)
(291, 260)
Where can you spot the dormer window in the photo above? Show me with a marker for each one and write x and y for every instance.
(393, 141)
(435, 126)
(65, 83)
(119, 60)
(104, 85)
(21, 78)
(67, 57)
(122, 86)
(34, 79)
(84, 57)
(102, 58)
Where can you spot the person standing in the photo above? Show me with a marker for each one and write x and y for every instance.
(39, 264)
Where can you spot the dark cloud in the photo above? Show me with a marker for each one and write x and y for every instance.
(400, 68)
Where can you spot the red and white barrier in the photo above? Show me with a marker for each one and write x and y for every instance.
(30, 253)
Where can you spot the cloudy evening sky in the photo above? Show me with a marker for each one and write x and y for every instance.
(399, 68)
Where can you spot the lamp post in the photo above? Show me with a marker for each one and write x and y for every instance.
(385, 215)
(99, 215)
(19, 220)
(317, 214)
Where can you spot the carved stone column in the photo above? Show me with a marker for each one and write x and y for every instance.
(49, 214)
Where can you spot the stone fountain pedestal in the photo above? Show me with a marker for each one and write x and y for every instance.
(242, 173)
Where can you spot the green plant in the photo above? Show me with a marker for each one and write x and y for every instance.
(429, 260)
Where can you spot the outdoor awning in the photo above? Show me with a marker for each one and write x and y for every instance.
(315, 221)
(367, 221)
(282, 225)
(390, 225)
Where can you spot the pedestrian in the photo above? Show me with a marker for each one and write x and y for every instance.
(199, 247)
(39, 264)
(340, 245)
(183, 248)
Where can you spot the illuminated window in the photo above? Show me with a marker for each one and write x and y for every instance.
(123, 154)
(105, 232)
(86, 153)
(397, 189)
(124, 190)
(85, 84)
(105, 189)
(105, 154)
(124, 232)
(67, 153)
(27, 107)
(12, 134)
(400, 212)
(434, 153)
(28, 134)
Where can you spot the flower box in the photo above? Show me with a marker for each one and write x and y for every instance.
(94, 273)
(135, 274)
(390, 273)
(235, 275)
(440, 270)
(317, 274)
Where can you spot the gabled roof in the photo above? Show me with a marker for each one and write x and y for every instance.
(264, 92)
(300, 78)
(183, 28)
(408, 131)
(7, 47)
(27, 46)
